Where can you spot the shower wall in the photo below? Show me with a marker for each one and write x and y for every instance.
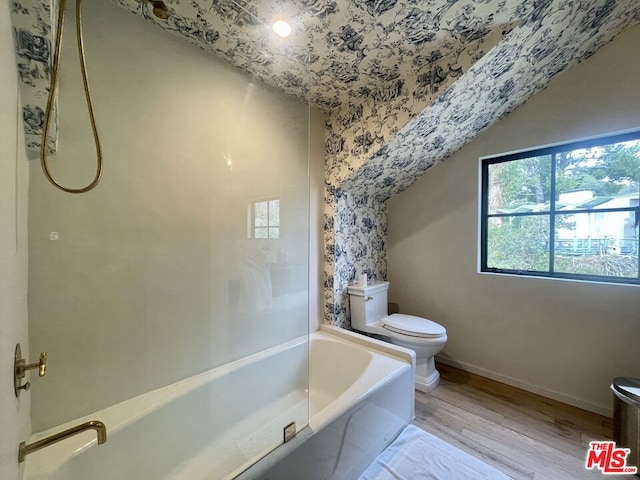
(14, 416)
(152, 277)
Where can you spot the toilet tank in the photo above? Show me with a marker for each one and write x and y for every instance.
(368, 304)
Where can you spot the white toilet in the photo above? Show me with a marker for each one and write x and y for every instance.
(369, 314)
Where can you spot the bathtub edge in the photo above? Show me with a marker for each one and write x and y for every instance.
(387, 348)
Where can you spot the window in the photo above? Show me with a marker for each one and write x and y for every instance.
(566, 211)
(265, 216)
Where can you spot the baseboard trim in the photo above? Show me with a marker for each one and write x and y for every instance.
(514, 382)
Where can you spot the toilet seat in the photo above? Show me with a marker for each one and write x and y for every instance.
(413, 326)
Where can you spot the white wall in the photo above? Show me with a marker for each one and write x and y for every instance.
(14, 412)
(563, 339)
(144, 285)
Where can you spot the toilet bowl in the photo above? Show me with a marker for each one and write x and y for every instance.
(369, 314)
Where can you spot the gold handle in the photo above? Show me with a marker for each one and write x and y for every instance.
(41, 365)
(20, 368)
(42, 371)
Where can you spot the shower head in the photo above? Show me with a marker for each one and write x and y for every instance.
(160, 10)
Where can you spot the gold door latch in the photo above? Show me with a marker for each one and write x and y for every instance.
(20, 368)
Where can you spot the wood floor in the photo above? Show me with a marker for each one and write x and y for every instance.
(524, 435)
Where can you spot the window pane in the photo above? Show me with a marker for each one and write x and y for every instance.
(260, 214)
(274, 232)
(520, 186)
(518, 243)
(261, 232)
(274, 213)
(598, 177)
(597, 243)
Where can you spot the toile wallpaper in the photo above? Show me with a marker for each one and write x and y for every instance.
(404, 84)
(551, 39)
(398, 54)
(32, 33)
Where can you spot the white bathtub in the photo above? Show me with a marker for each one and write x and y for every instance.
(360, 397)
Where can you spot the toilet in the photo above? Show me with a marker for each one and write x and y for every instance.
(426, 338)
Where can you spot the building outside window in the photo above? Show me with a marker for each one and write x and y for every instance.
(265, 218)
(566, 211)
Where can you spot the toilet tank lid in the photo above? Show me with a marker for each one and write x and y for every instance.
(409, 323)
(372, 287)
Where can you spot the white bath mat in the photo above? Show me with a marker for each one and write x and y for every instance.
(418, 455)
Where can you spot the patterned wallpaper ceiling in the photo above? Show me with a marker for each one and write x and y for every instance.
(353, 46)
(341, 53)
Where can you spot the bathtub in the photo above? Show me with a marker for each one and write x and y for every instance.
(360, 397)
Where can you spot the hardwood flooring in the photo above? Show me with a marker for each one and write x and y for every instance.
(524, 435)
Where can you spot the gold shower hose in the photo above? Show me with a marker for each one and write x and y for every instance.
(52, 92)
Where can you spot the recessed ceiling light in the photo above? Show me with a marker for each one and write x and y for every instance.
(282, 28)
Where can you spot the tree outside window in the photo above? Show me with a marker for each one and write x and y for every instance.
(567, 211)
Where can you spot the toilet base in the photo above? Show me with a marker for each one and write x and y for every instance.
(427, 377)
(429, 384)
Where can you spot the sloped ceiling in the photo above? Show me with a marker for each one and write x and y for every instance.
(550, 40)
(556, 35)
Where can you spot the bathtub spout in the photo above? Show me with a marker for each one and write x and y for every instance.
(99, 427)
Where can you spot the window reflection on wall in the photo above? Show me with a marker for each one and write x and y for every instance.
(265, 219)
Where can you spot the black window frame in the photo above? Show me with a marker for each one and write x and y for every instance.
(552, 213)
